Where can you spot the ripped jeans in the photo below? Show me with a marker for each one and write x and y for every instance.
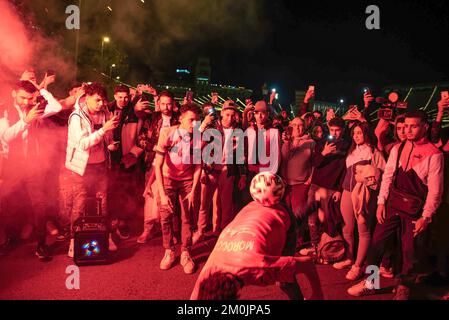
(77, 192)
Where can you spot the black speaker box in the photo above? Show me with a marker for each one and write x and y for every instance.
(91, 240)
(91, 247)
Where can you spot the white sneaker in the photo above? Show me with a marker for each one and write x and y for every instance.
(355, 273)
(144, 237)
(386, 273)
(71, 252)
(307, 251)
(51, 228)
(361, 289)
(112, 246)
(187, 263)
(342, 264)
(168, 260)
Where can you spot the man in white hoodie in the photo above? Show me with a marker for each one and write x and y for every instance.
(88, 146)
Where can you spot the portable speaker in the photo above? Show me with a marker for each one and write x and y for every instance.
(91, 236)
(91, 247)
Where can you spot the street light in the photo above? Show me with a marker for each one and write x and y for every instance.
(103, 41)
(110, 70)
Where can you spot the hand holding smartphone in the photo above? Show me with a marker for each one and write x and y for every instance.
(214, 99)
(444, 95)
(445, 99)
(287, 134)
(189, 96)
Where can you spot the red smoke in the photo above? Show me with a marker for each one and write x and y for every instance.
(14, 48)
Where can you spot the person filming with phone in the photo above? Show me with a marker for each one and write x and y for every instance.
(153, 122)
(436, 130)
(26, 165)
(87, 159)
(296, 165)
(329, 161)
(126, 175)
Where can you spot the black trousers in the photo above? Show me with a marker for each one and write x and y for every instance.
(395, 225)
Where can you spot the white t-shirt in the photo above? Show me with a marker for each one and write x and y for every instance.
(165, 122)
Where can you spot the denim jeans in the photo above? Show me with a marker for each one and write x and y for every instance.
(93, 184)
(208, 198)
(177, 192)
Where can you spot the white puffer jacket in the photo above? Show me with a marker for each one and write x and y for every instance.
(82, 137)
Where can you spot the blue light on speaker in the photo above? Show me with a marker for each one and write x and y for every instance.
(91, 248)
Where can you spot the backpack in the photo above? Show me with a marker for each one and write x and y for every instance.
(331, 249)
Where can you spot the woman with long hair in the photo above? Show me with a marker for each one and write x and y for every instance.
(364, 165)
(318, 132)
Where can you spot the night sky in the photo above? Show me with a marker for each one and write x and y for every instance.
(288, 44)
(326, 43)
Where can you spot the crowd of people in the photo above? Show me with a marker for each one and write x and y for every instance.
(376, 185)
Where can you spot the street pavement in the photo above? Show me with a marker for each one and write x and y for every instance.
(134, 274)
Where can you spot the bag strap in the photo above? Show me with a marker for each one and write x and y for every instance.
(401, 148)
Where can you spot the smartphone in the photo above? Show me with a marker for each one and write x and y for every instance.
(212, 112)
(402, 105)
(385, 114)
(146, 96)
(214, 97)
(444, 95)
(330, 138)
(42, 102)
(366, 91)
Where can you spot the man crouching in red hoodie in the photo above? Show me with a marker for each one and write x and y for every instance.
(257, 248)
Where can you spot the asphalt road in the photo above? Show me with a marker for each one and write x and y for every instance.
(134, 274)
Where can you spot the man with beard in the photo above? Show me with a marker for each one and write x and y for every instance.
(27, 164)
(415, 168)
(152, 124)
(126, 175)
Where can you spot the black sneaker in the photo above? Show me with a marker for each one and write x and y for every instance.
(43, 252)
(63, 236)
(436, 279)
(123, 232)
